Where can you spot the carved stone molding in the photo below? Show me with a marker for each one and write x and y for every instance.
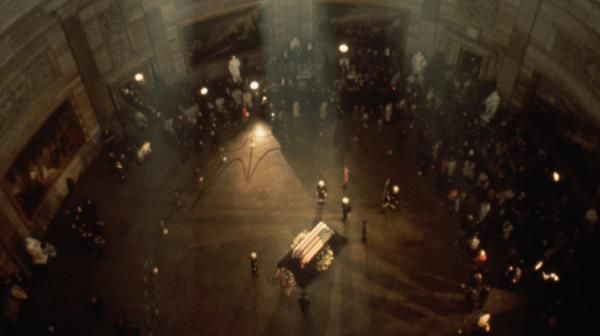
(578, 59)
(15, 99)
(481, 13)
(114, 32)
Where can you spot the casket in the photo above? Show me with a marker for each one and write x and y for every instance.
(302, 261)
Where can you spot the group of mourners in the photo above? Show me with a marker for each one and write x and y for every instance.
(510, 193)
(86, 226)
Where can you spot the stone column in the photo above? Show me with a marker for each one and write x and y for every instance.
(88, 69)
(515, 53)
(160, 44)
(427, 26)
(287, 19)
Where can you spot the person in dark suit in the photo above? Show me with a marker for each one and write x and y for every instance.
(304, 303)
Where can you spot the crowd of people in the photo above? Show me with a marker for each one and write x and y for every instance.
(86, 226)
(510, 193)
(518, 204)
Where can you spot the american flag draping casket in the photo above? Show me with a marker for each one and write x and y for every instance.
(312, 244)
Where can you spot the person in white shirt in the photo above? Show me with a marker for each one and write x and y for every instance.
(387, 115)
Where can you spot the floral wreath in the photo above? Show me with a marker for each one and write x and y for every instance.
(286, 279)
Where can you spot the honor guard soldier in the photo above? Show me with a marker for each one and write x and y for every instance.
(391, 198)
(364, 231)
(321, 192)
(346, 209)
(254, 262)
(304, 303)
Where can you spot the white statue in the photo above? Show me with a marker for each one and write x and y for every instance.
(234, 69)
(323, 111)
(296, 110)
(295, 44)
(419, 62)
(491, 107)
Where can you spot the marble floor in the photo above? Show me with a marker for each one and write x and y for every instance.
(404, 281)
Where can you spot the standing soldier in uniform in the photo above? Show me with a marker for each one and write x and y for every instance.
(304, 303)
(321, 192)
(346, 209)
(254, 263)
(214, 141)
(390, 196)
(364, 231)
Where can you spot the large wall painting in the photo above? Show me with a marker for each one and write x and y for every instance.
(363, 25)
(221, 37)
(44, 158)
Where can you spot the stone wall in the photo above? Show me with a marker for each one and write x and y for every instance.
(563, 50)
(117, 34)
(37, 73)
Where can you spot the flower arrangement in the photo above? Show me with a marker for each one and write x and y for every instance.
(325, 259)
(286, 279)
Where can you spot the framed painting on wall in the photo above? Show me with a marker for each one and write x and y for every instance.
(223, 36)
(365, 26)
(44, 158)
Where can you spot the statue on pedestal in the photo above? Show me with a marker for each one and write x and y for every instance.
(295, 44)
(419, 62)
(234, 69)
(491, 107)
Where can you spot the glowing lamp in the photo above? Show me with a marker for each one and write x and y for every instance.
(139, 77)
(204, 91)
(556, 176)
(254, 85)
(343, 48)
(260, 131)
